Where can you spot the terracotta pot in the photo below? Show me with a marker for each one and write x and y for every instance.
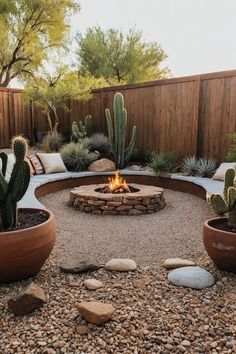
(220, 245)
(23, 252)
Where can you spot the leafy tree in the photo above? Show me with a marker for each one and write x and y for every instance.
(50, 92)
(29, 30)
(120, 58)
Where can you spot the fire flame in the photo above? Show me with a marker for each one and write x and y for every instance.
(117, 182)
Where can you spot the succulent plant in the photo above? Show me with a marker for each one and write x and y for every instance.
(14, 190)
(117, 132)
(190, 165)
(82, 129)
(226, 203)
(206, 167)
(163, 162)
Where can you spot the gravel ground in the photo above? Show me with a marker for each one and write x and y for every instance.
(151, 315)
(174, 231)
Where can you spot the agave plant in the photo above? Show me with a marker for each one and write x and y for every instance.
(190, 165)
(206, 167)
(163, 162)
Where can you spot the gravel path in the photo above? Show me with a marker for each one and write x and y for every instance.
(151, 315)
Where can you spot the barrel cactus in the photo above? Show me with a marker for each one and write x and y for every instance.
(11, 192)
(117, 132)
(82, 129)
(226, 203)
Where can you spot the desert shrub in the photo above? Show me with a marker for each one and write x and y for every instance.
(206, 167)
(231, 155)
(99, 142)
(190, 165)
(139, 156)
(163, 162)
(77, 156)
(52, 142)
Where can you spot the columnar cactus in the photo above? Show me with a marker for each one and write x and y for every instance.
(82, 130)
(13, 191)
(117, 134)
(226, 203)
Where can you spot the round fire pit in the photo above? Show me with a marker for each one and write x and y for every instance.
(142, 200)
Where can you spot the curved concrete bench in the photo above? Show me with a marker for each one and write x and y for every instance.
(44, 184)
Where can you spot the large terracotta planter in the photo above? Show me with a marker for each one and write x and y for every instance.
(23, 252)
(220, 245)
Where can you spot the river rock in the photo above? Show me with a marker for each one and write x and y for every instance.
(102, 165)
(121, 265)
(27, 300)
(93, 284)
(79, 265)
(191, 277)
(95, 312)
(172, 263)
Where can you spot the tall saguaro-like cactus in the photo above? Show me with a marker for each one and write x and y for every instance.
(117, 132)
(226, 203)
(11, 192)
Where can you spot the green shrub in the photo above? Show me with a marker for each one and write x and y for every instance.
(190, 165)
(231, 155)
(163, 162)
(99, 142)
(52, 142)
(206, 167)
(77, 156)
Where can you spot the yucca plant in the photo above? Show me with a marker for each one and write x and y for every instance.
(14, 190)
(190, 165)
(77, 156)
(163, 162)
(206, 167)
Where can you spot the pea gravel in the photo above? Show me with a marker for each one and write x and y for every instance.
(151, 315)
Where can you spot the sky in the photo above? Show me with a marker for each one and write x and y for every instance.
(199, 36)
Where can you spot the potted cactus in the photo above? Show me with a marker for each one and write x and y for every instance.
(219, 234)
(27, 236)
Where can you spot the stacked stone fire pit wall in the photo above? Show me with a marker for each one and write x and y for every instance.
(147, 200)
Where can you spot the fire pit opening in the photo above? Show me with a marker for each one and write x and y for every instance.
(117, 198)
(117, 185)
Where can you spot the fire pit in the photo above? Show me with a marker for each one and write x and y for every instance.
(117, 198)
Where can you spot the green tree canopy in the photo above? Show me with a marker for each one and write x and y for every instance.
(120, 58)
(29, 29)
(50, 92)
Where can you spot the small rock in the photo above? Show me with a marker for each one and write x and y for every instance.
(82, 329)
(28, 300)
(102, 165)
(135, 168)
(79, 265)
(93, 284)
(95, 312)
(172, 263)
(185, 343)
(191, 277)
(121, 265)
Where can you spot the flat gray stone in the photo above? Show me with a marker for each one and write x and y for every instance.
(172, 263)
(79, 265)
(121, 265)
(191, 277)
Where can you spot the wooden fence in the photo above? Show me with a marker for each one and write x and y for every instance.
(189, 115)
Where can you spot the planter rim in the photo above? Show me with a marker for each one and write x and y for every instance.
(20, 232)
(228, 233)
